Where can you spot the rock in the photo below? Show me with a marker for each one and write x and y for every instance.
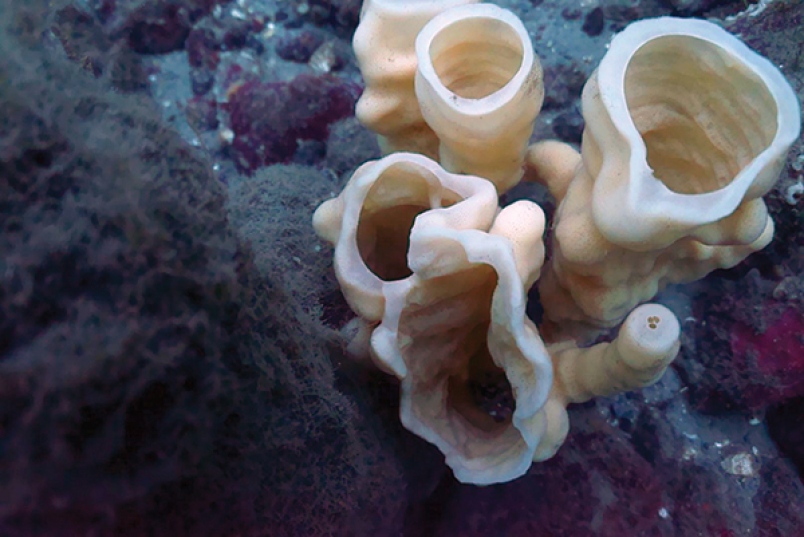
(298, 46)
(84, 42)
(153, 27)
(269, 118)
(349, 145)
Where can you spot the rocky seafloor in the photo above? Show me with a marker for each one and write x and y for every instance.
(170, 355)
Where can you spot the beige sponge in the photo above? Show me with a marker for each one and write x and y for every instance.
(479, 87)
(686, 128)
(384, 44)
(474, 372)
(439, 278)
(648, 341)
(369, 223)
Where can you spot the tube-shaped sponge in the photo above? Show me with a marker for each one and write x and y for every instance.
(479, 86)
(384, 44)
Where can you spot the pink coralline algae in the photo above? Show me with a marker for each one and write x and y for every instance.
(743, 348)
(777, 355)
(269, 119)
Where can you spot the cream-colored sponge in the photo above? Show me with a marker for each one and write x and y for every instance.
(475, 373)
(384, 44)
(648, 341)
(686, 129)
(479, 87)
(369, 222)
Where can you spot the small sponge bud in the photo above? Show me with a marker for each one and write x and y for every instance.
(648, 342)
(553, 164)
(744, 226)
(327, 220)
(523, 224)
